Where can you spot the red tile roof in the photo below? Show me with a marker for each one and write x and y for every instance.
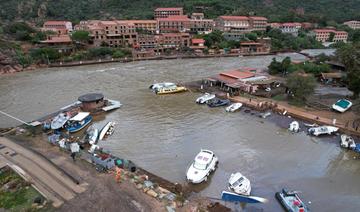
(258, 18)
(168, 8)
(58, 39)
(237, 74)
(197, 41)
(234, 18)
(291, 24)
(55, 22)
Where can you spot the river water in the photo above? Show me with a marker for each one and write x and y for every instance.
(163, 133)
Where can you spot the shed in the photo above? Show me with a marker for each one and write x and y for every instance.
(328, 78)
(91, 101)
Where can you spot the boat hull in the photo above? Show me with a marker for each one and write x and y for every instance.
(73, 129)
(171, 91)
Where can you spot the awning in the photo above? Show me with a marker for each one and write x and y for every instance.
(80, 116)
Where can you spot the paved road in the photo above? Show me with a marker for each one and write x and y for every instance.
(47, 178)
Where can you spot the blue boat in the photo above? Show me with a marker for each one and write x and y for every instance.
(216, 102)
(291, 201)
(78, 122)
(232, 197)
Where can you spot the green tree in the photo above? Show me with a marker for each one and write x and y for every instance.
(300, 86)
(331, 36)
(23, 60)
(285, 65)
(118, 54)
(274, 67)
(80, 36)
(251, 36)
(45, 55)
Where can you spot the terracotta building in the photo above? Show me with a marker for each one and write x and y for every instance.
(200, 25)
(60, 27)
(323, 35)
(180, 23)
(62, 43)
(261, 46)
(174, 40)
(241, 23)
(167, 12)
(258, 23)
(353, 24)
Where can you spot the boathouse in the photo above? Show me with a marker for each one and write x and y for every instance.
(91, 101)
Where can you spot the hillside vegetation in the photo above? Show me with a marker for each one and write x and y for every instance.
(319, 11)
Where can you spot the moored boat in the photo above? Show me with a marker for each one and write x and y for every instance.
(161, 85)
(347, 141)
(322, 130)
(170, 90)
(204, 163)
(291, 201)
(92, 135)
(216, 102)
(204, 98)
(107, 130)
(342, 105)
(59, 121)
(294, 126)
(78, 122)
(234, 107)
(239, 184)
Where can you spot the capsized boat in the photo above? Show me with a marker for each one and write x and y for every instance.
(170, 90)
(347, 141)
(205, 162)
(204, 98)
(107, 130)
(239, 184)
(234, 107)
(216, 102)
(92, 135)
(161, 85)
(342, 105)
(291, 201)
(59, 121)
(78, 122)
(294, 126)
(322, 130)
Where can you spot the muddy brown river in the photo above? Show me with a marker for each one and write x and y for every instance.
(163, 133)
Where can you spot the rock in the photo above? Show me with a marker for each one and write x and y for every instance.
(152, 193)
(139, 186)
(170, 209)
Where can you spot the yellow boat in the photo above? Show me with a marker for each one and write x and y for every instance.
(170, 90)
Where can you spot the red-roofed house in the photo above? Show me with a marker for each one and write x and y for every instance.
(166, 12)
(261, 46)
(353, 24)
(197, 43)
(60, 27)
(179, 23)
(323, 35)
(258, 23)
(60, 42)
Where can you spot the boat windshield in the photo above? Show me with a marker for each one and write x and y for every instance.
(199, 166)
(238, 182)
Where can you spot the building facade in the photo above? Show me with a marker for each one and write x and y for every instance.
(353, 24)
(288, 28)
(60, 27)
(324, 35)
(167, 12)
(173, 24)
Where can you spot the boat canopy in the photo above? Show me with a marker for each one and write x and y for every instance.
(80, 116)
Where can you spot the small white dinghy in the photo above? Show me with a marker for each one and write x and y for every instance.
(294, 126)
(107, 130)
(322, 130)
(234, 107)
(59, 121)
(347, 141)
(92, 135)
(239, 184)
(205, 98)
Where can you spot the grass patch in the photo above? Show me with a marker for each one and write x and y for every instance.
(296, 102)
(19, 195)
(280, 97)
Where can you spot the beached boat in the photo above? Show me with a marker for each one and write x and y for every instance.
(92, 135)
(205, 162)
(107, 130)
(161, 85)
(59, 121)
(294, 126)
(342, 105)
(216, 102)
(78, 122)
(347, 141)
(291, 201)
(236, 198)
(239, 184)
(322, 130)
(204, 98)
(234, 107)
(112, 105)
(170, 90)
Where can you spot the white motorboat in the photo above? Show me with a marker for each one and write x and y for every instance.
(322, 130)
(294, 126)
(204, 98)
(239, 184)
(347, 141)
(234, 107)
(107, 130)
(92, 135)
(205, 162)
(59, 121)
(158, 86)
(342, 105)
